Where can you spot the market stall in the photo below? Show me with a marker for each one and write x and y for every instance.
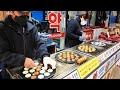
(95, 58)
(95, 67)
(95, 64)
(102, 61)
(99, 64)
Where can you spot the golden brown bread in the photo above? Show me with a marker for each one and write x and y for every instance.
(33, 77)
(84, 58)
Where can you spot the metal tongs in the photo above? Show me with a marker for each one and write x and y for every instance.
(108, 34)
(15, 75)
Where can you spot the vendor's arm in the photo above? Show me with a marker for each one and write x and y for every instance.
(70, 30)
(8, 58)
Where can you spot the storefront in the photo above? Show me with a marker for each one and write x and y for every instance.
(55, 20)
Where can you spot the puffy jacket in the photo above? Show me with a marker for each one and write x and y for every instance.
(17, 43)
(73, 32)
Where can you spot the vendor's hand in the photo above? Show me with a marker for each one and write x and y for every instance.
(83, 37)
(29, 63)
(48, 60)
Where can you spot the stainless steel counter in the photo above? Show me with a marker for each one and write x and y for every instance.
(64, 69)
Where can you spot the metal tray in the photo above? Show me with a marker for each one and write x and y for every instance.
(98, 51)
(16, 73)
(45, 77)
(103, 44)
(89, 45)
(67, 62)
(95, 53)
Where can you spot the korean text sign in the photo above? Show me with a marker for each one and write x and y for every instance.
(55, 20)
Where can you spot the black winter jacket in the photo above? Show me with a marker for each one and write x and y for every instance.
(100, 18)
(73, 32)
(17, 43)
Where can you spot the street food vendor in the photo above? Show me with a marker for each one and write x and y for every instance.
(74, 35)
(20, 43)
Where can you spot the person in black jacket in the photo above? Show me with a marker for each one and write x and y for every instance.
(100, 18)
(74, 34)
(19, 40)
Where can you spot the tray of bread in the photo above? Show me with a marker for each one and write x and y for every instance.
(86, 48)
(70, 57)
(67, 57)
(38, 72)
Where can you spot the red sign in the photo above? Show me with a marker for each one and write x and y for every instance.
(58, 35)
(55, 20)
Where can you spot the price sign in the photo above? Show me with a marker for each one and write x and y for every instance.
(88, 67)
(73, 75)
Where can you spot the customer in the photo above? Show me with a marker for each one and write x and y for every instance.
(74, 34)
(19, 40)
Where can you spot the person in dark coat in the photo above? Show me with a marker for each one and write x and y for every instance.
(20, 43)
(74, 34)
(100, 18)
